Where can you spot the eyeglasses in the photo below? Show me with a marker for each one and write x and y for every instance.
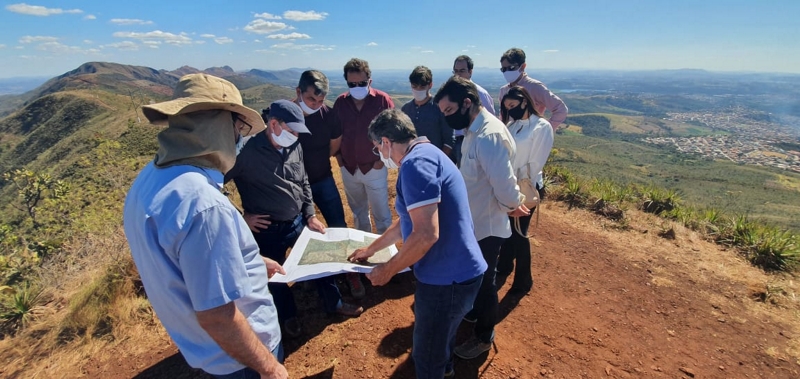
(461, 71)
(240, 124)
(509, 68)
(375, 150)
(357, 84)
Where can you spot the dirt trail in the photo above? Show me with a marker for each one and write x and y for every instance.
(606, 303)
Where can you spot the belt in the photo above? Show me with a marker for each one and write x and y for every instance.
(283, 223)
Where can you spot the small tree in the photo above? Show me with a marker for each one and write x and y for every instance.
(33, 188)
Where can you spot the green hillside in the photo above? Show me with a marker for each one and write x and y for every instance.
(764, 193)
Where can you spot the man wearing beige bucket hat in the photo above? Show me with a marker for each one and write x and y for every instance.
(198, 261)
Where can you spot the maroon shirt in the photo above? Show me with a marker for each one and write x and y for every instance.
(356, 146)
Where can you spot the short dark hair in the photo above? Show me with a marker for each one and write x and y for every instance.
(465, 58)
(517, 93)
(393, 124)
(314, 79)
(421, 76)
(457, 89)
(357, 65)
(514, 56)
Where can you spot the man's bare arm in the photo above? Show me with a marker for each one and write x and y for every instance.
(230, 330)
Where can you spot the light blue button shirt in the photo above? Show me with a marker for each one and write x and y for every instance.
(194, 252)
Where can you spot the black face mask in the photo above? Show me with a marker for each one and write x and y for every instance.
(517, 112)
(458, 120)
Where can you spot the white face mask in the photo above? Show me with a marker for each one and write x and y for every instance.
(306, 109)
(240, 144)
(387, 161)
(359, 93)
(420, 95)
(286, 139)
(511, 75)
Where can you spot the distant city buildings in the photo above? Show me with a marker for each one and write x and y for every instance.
(743, 139)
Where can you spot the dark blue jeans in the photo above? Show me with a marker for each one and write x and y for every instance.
(486, 306)
(326, 197)
(438, 311)
(248, 373)
(273, 243)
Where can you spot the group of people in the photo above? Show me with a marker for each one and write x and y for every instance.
(205, 264)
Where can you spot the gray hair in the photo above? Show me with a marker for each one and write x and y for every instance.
(394, 125)
(315, 79)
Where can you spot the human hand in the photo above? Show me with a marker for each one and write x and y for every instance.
(278, 371)
(316, 225)
(256, 223)
(521, 210)
(273, 267)
(379, 275)
(360, 255)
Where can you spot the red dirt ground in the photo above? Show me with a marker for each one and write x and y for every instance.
(606, 303)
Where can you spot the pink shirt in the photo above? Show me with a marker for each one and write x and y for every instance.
(543, 99)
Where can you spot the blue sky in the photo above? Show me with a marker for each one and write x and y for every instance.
(46, 38)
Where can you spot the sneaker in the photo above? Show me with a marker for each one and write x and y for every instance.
(356, 288)
(349, 310)
(472, 348)
(470, 317)
(291, 328)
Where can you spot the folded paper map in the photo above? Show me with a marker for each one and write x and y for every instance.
(316, 255)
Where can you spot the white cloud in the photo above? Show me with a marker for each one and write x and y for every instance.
(267, 16)
(549, 51)
(199, 42)
(88, 41)
(465, 51)
(426, 51)
(223, 40)
(124, 45)
(257, 40)
(151, 43)
(60, 48)
(37, 10)
(2, 46)
(306, 47)
(372, 44)
(471, 46)
(291, 36)
(268, 51)
(304, 16)
(260, 26)
(90, 17)
(157, 35)
(130, 21)
(32, 39)
(207, 35)
(19, 47)
(27, 56)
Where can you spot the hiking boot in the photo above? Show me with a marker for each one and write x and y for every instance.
(349, 310)
(356, 288)
(470, 317)
(472, 348)
(291, 328)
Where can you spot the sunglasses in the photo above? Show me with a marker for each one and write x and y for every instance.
(509, 68)
(240, 124)
(357, 84)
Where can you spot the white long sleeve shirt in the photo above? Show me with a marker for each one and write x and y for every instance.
(486, 164)
(534, 140)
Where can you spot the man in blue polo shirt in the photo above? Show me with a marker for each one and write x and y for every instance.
(198, 261)
(438, 240)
